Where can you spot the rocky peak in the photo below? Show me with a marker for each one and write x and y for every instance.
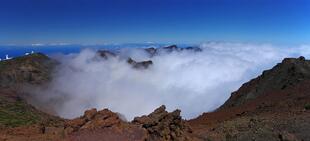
(300, 59)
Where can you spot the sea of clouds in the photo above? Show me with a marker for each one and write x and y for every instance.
(194, 82)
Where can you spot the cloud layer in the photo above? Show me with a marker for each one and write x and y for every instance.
(194, 82)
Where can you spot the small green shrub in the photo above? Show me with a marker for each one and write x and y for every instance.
(307, 106)
(17, 113)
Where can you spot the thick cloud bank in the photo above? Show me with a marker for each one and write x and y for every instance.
(194, 82)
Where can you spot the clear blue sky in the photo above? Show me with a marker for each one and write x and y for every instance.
(164, 21)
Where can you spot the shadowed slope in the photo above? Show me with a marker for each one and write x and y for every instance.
(269, 107)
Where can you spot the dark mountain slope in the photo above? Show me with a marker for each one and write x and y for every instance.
(270, 107)
(31, 69)
(15, 111)
(286, 74)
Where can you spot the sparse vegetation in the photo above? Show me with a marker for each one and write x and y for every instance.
(16, 113)
(307, 106)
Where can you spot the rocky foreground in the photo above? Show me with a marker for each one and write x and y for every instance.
(275, 106)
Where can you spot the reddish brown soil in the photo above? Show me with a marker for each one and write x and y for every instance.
(109, 134)
(274, 110)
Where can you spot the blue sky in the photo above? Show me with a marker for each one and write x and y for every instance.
(162, 21)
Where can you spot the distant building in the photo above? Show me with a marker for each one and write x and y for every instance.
(7, 57)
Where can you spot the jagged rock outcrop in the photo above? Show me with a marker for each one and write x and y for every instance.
(159, 125)
(102, 125)
(93, 119)
(164, 126)
(140, 65)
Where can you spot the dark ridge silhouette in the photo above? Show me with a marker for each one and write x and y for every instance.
(140, 65)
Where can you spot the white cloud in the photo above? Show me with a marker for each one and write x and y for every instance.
(194, 82)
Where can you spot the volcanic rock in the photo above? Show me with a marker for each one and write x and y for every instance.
(102, 125)
(93, 119)
(164, 126)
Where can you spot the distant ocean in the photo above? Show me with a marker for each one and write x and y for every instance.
(15, 51)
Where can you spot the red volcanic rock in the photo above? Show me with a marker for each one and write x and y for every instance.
(162, 125)
(89, 114)
(93, 119)
(103, 125)
(106, 125)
